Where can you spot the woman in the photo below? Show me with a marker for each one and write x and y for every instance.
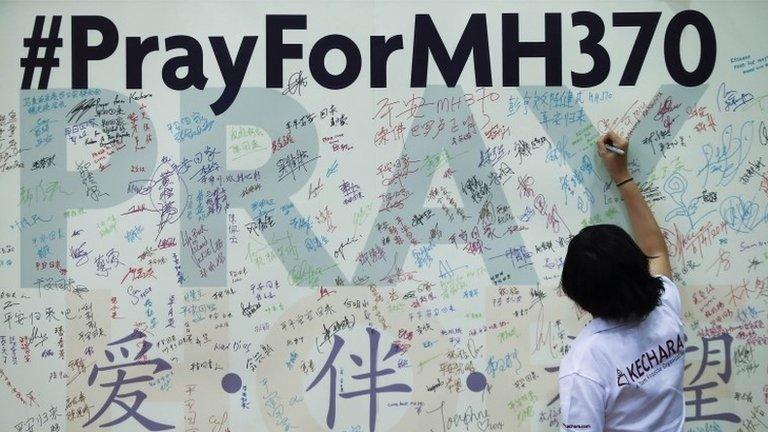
(624, 371)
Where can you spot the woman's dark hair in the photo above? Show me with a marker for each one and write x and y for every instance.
(606, 273)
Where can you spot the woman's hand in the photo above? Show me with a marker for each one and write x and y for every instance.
(615, 164)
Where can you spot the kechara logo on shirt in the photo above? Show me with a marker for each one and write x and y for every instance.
(649, 360)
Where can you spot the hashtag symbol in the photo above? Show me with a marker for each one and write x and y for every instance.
(48, 61)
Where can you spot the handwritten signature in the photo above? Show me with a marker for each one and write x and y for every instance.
(81, 108)
(664, 115)
(729, 155)
(731, 100)
(295, 82)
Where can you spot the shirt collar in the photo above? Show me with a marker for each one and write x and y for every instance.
(598, 325)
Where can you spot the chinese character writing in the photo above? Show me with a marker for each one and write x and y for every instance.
(372, 376)
(697, 402)
(138, 396)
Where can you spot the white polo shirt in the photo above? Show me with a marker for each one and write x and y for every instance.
(627, 377)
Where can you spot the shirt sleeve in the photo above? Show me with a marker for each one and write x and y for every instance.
(671, 296)
(582, 404)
